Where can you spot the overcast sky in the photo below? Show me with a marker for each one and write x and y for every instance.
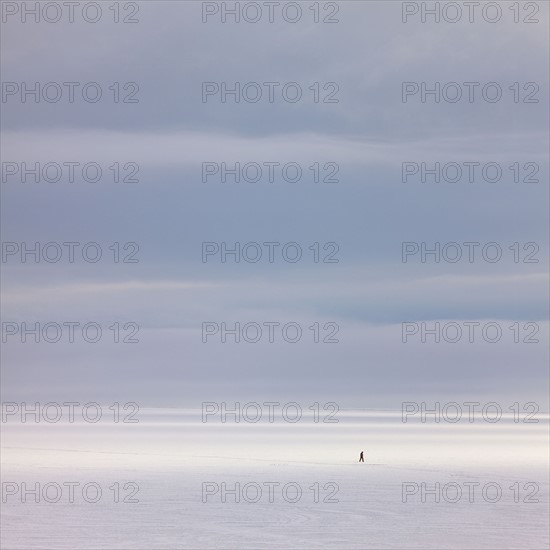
(369, 212)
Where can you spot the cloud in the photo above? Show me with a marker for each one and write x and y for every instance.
(191, 148)
(369, 212)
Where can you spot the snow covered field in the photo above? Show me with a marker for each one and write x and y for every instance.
(297, 485)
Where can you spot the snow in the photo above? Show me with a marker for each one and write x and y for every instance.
(169, 455)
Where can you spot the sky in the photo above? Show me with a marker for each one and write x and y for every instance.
(364, 129)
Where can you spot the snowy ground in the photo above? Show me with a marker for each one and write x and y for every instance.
(169, 457)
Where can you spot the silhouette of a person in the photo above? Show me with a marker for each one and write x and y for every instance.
(361, 459)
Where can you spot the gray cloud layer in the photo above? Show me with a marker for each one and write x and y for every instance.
(370, 132)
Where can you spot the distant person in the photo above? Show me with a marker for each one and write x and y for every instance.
(361, 459)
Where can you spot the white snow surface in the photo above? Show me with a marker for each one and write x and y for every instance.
(170, 455)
